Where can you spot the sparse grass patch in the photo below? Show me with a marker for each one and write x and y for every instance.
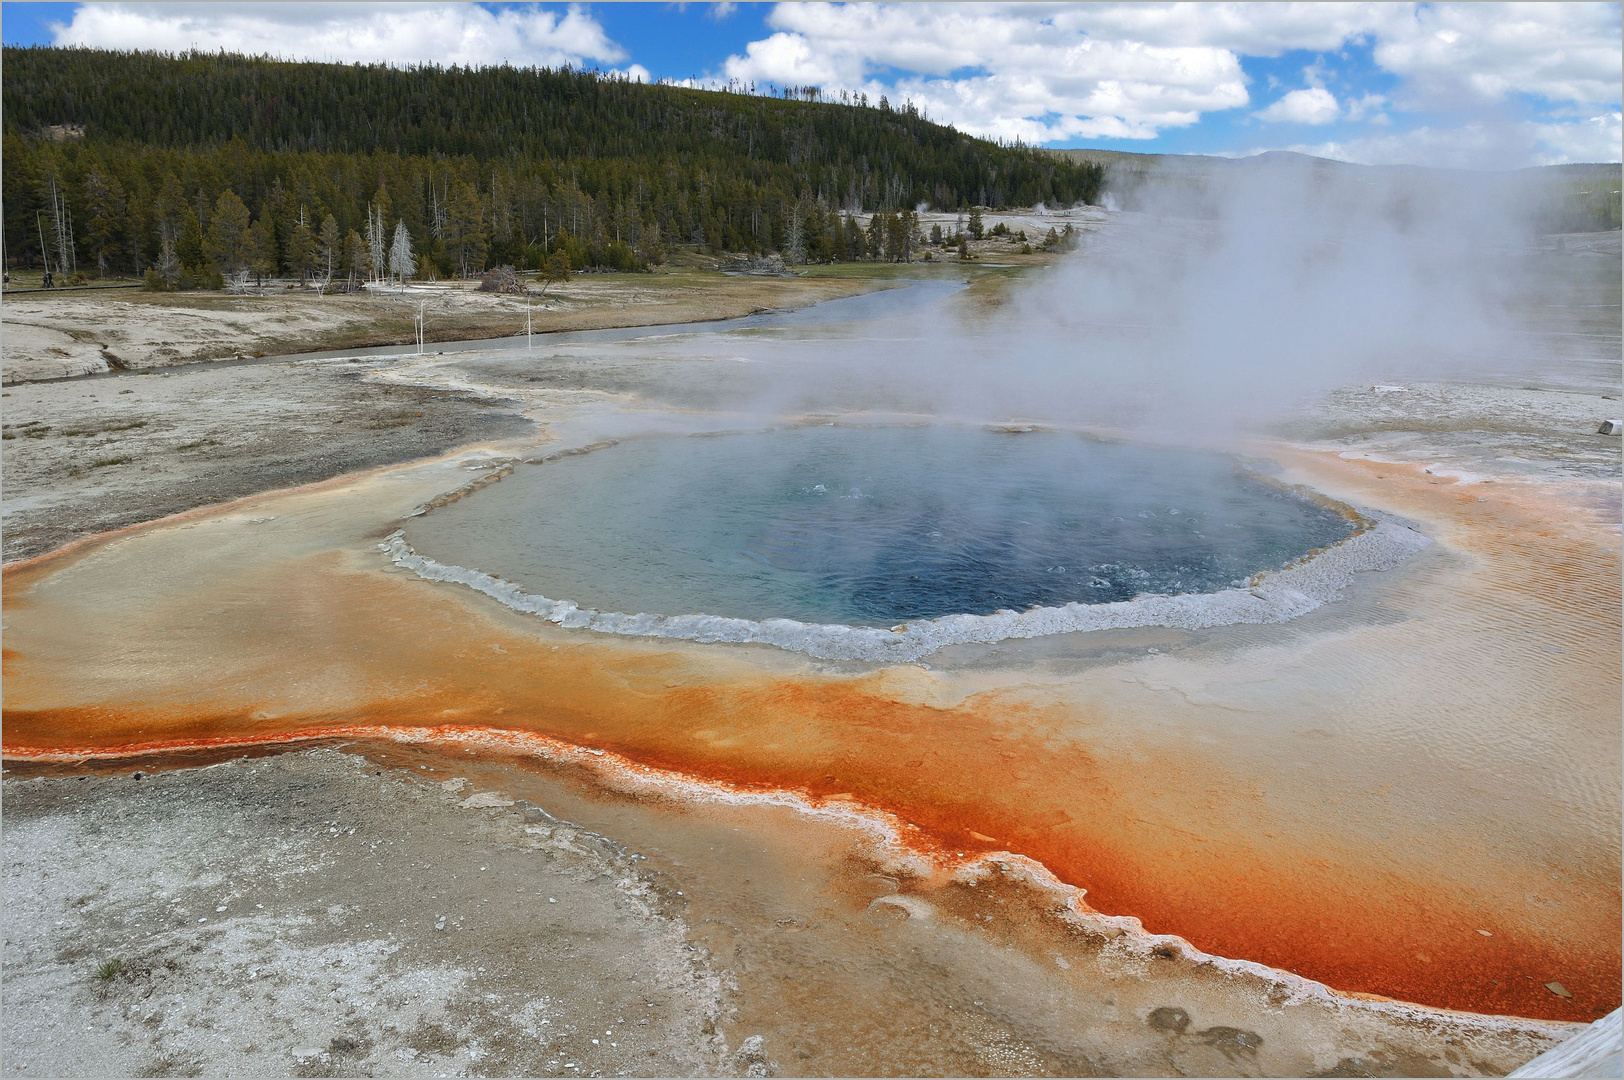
(393, 420)
(97, 431)
(198, 443)
(109, 970)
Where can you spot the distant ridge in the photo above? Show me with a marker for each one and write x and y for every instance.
(1219, 161)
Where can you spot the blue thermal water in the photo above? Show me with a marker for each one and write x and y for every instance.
(873, 526)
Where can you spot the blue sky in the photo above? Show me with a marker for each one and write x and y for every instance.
(1474, 85)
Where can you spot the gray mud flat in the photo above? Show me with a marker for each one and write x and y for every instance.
(311, 914)
(88, 455)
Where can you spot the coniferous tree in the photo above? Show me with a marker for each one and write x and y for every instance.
(893, 237)
(855, 243)
(356, 259)
(104, 229)
(301, 253)
(814, 231)
(907, 234)
(554, 271)
(267, 219)
(463, 233)
(228, 245)
(261, 251)
(168, 208)
(189, 245)
(140, 237)
(330, 252)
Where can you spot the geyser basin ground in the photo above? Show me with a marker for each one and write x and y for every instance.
(872, 526)
(1312, 795)
(1354, 795)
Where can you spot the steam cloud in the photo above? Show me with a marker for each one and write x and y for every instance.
(1220, 305)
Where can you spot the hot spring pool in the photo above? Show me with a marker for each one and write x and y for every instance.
(864, 527)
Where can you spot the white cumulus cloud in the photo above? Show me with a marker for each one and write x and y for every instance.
(395, 33)
(1266, 29)
(1368, 108)
(1594, 139)
(1315, 105)
(1049, 72)
(1483, 52)
(1028, 71)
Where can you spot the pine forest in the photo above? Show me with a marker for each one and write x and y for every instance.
(195, 168)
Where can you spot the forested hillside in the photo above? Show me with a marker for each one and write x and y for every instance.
(198, 164)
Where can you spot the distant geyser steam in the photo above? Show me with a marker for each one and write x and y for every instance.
(1216, 308)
